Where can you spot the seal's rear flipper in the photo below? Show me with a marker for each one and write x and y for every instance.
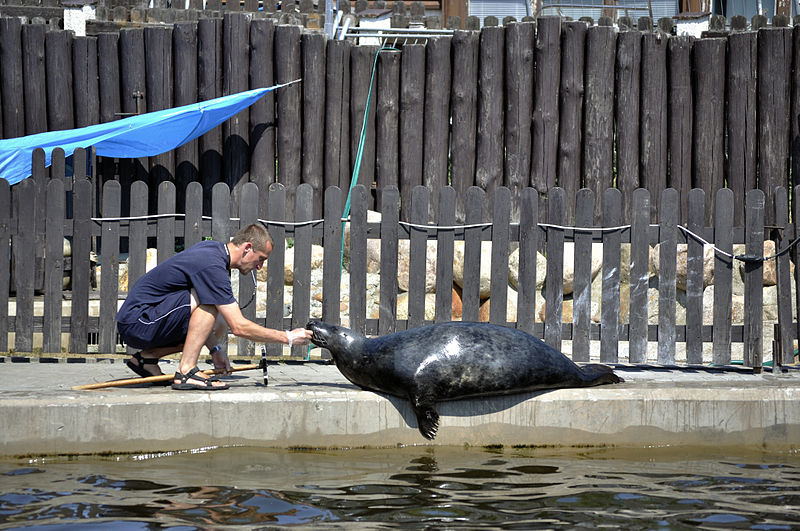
(598, 374)
(427, 420)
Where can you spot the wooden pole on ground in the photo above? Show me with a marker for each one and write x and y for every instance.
(162, 378)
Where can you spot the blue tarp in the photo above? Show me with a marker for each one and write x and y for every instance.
(144, 135)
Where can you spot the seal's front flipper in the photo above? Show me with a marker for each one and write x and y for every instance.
(427, 419)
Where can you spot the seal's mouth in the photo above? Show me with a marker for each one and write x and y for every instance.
(317, 335)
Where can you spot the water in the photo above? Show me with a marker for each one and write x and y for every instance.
(428, 487)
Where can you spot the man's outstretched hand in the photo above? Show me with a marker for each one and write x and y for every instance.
(298, 336)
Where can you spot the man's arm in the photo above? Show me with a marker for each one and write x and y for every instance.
(241, 326)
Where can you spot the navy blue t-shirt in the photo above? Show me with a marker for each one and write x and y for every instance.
(203, 266)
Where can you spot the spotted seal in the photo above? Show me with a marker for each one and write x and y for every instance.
(449, 361)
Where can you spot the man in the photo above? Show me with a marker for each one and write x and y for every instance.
(187, 302)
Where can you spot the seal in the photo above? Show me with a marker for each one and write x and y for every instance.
(450, 361)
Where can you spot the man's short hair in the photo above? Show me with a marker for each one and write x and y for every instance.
(256, 234)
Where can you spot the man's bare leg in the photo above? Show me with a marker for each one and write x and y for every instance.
(201, 323)
(155, 353)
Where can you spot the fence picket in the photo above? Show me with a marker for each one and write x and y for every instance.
(498, 279)
(289, 111)
(471, 274)
(248, 213)
(741, 118)
(445, 239)
(723, 276)
(332, 256)
(418, 247)
(358, 258)
(463, 111)
(313, 107)
(262, 112)
(301, 283)
(640, 276)
(436, 133)
(667, 272)
(680, 100)
(554, 291)
(109, 258)
(754, 279)
(390, 216)
(6, 229)
(627, 83)
(82, 192)
(653, 128)
(582, 276)
(489, 143)
(528, 245)
(519, 109)
(337, 115)
(783, 237)
(609, 305)
(209, 85)
(53, 266)
(412, 90)
(275, 271)
(193, 221)
(387, 116)
(24, 255)
(694, 278)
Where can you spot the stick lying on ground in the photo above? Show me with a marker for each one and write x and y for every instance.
(163, 377)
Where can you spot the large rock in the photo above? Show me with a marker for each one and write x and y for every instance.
(681, 264)
(513, 270)
(770, 266)
(486, 267)
(511, 307)
(317, 253)
(568, 273)
(373, 245)
(404, 261)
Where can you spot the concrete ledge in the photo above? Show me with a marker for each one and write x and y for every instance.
(314, 406)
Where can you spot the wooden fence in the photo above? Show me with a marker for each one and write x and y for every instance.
(531, 104)
(25, 234)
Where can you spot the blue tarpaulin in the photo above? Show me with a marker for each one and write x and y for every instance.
(144, 135)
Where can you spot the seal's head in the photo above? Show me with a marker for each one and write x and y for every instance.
(345, 345)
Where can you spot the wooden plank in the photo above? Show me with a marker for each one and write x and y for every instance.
(34, 81)
(137, 234)
(489, 143)
(109, 259)
(754, 279)
(571, 92)
(23, 253)
(133, 97)
(358, 258)
(40, 179)
(85, 83)
(390, 217)
(436, 133)
(221, 213)
(627, 86)
(554, 291)
(184, 48)
(520, 43)
(445, 240)
(301, 284)
(741, 120)
(332, 255)
(498, 284)
(723, 276)
(362, 99)
(679, 52)
(465, 46)
(158, 84)
(313, 104)
(774, 54)
(209, 86)
(470, 286)
(193, 222)
(412, 92)
(667, 271)
(694, 278)
(54, 267)
(165, 225)
(235, 131)
(709, 109)
(418, 246)
(248, 214)
(547, 81)
(528, 245)
(58, 63)
(598, 125)
(795, 254)
(6, 222)
(274, 305)
(337, 115)
(609, 306)
(289, 111)
(108, 81)
(387, 122)
(262, 112)
(640, 275)
(653, 127)
(11, 77)
(783, 238)
(82, 192)
(582, 276)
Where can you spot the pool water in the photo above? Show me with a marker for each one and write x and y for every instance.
(436, 487)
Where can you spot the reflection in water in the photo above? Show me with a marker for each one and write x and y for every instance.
(503, 488)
